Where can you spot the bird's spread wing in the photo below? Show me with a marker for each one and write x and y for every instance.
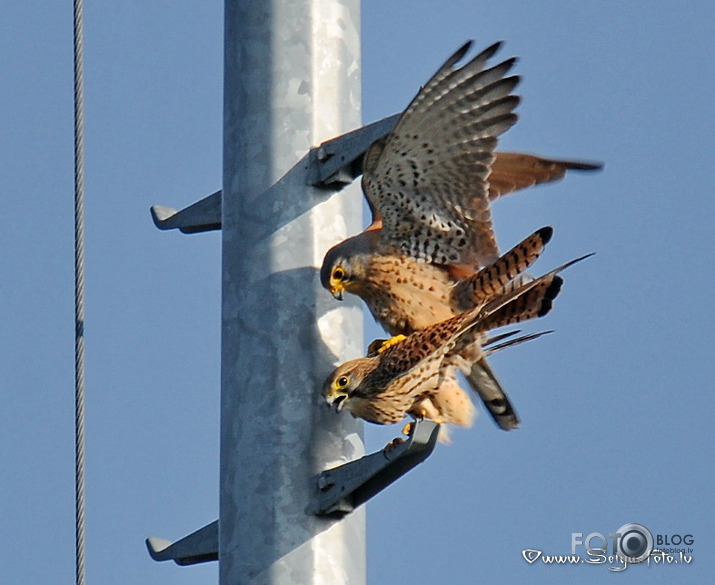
(427, 346)
(512, 171)
(427, 180)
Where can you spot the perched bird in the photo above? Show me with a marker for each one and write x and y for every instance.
(415, 375)
(429, 184)
(450, 403)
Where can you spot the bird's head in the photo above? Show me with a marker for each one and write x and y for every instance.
(340, 386)
(344, 268)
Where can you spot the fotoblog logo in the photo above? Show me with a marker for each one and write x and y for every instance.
(632, 543)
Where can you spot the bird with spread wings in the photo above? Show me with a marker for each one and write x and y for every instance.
(429, 184)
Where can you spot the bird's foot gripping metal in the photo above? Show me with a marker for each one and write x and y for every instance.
(407, 429)
(344, 488)
(380, 345)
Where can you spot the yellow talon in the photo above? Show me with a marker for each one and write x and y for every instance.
(392, 444)
(408, 428)
(376, 347)
(390, 342)
(380, 345)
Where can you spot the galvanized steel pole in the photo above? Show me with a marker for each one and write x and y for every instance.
(291, 80)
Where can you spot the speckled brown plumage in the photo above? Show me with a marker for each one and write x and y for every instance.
(407, 377)
(429, 184)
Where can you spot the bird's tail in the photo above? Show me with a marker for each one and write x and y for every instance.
(503, 340)
(495, 279)
(536, 301)
(530, 300)
(482, 379)
(484, 382)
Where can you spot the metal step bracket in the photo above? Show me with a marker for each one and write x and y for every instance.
(202, 216)
(338, 492)
(342, 489)
(338, 162)
(198, 547)
(332, 165)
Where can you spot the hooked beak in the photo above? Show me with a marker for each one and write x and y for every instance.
(337, 293)
(339, 402)
(336, 401)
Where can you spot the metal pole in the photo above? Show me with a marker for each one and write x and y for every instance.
(291, 80)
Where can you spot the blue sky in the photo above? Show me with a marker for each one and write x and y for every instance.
(614, 405)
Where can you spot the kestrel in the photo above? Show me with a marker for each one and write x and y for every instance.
(415, 375)
(429, 184)
(450, 403)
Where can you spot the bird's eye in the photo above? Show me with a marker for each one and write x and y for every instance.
(342, 382)
(338, 274)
